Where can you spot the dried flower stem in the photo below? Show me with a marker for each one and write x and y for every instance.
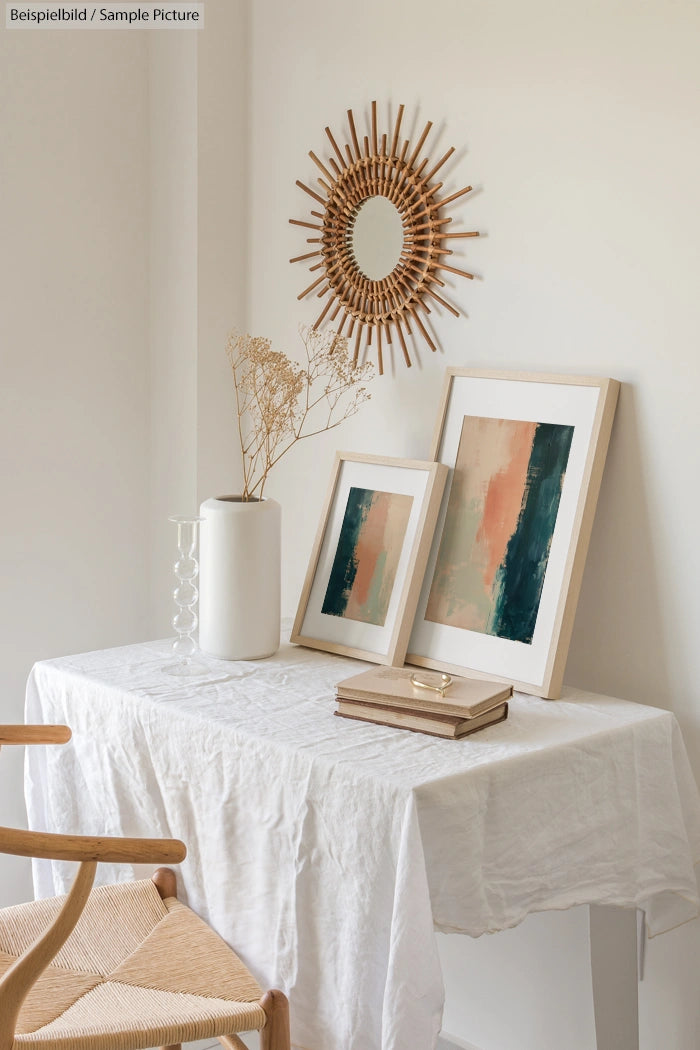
(277, 399)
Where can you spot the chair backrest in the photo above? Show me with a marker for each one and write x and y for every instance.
(18, 980)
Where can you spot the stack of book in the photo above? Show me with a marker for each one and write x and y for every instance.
(423, 701)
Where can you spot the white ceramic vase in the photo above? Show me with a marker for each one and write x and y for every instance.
(239, 578)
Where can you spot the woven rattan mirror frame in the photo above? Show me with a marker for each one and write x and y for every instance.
(395, 302)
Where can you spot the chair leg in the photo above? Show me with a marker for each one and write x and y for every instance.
(172, 1046)
(232, 1042)
(275, 1034)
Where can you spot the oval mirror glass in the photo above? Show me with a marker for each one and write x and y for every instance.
(377, 237)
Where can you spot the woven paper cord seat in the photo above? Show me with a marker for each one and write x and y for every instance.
(136, 969)
(132, 961)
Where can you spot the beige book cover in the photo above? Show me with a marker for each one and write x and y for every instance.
(430, 722)
(421, 690)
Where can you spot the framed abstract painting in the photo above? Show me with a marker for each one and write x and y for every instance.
(369, 556)
(526, 455)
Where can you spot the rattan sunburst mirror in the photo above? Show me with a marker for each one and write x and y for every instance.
(380, 194)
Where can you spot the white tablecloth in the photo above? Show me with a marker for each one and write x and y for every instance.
(326, 850)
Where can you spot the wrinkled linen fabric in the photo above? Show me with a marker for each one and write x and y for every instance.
(326, 851)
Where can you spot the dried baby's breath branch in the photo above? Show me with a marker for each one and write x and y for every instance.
(280, 402)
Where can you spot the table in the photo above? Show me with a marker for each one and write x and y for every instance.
(327, 850)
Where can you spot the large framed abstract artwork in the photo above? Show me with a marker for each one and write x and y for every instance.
(526, 455)
(363, 581)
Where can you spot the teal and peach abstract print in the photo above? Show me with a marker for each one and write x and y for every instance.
(367, 557)
(499, 524)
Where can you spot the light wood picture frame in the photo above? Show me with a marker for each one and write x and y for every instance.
(526, 455)
(369, 556)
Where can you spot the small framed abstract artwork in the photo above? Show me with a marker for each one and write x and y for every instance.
(526, 455)
(366, 568)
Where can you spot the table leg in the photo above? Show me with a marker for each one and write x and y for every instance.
(614, 974)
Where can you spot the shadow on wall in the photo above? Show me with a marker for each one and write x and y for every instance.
(617, 647)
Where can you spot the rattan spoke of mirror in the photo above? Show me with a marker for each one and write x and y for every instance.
(393, 302)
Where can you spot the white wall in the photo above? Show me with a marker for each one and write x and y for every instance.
(577, 126)
(223, 271)
(172, 169)
(74, 437)
(198, 94)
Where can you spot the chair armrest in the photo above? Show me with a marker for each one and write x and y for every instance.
(46, 846)
(21, 734)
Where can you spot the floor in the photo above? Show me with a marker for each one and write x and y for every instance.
(251, 1040)
(451, 1042)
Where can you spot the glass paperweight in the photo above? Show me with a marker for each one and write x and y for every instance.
(185, 596)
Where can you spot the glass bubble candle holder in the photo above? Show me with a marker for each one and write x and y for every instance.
(185, 596)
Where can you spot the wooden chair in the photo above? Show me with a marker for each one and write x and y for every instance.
(119, 967)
